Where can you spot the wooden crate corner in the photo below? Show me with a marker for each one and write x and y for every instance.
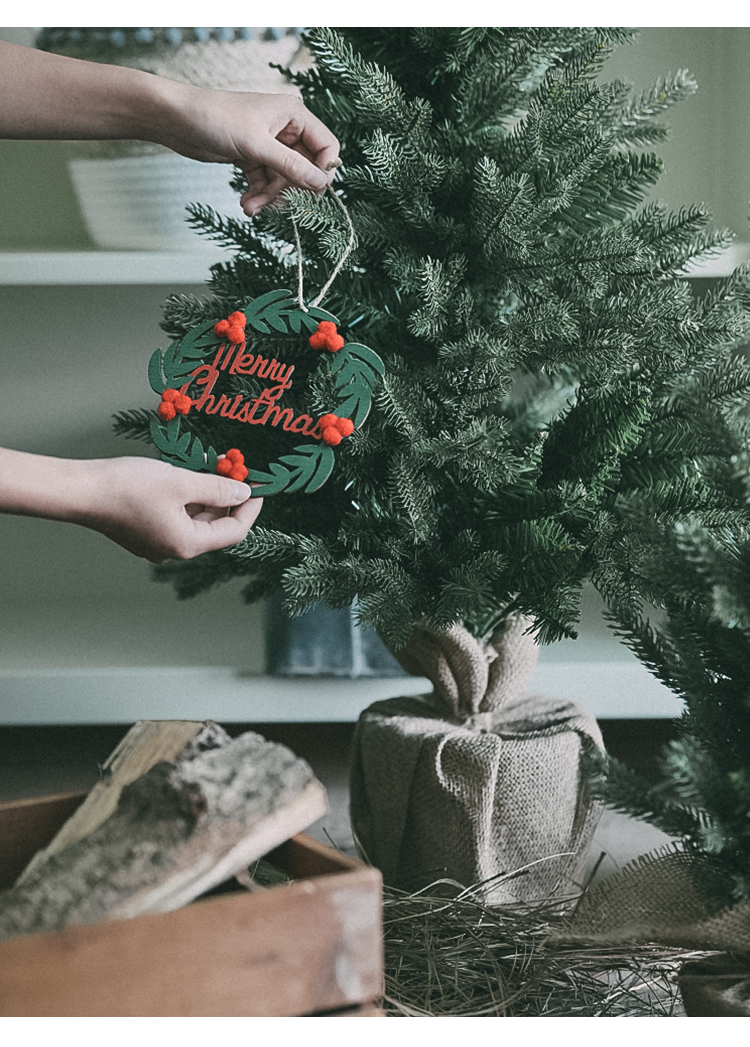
(311, 946)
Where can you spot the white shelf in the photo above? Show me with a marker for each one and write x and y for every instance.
(107, 267)
(124, 695)
(610, 690)
(44, 268)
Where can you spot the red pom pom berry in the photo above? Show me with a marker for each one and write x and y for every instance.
(166, 411)
(334, 429)
(326, 337)
(172, 403)
(332, 436)
(319, 339)
(233, 328)
(232, 464)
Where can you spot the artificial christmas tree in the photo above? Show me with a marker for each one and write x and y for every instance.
(545, 361)
(698, 646)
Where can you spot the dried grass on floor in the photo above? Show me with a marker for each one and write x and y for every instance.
(452, 956)
(455, 957)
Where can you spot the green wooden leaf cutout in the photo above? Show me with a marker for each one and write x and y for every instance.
(186, 451)
(172, 368)
(183, 443)
(197, 458)
(162, 438)
(357, 403)
(280, 310)
(357, 370)
(312, 464)
(156, 378)
(268, 483)
(354, 358)
(257, 311)
(298, 319)
(309, 468)
(199, 338)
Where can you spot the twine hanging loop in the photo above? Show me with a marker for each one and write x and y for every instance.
(339, 265)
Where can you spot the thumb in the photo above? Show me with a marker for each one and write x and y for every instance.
(219, 491)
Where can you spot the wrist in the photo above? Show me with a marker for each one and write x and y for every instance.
(132, 105)
(160, 109)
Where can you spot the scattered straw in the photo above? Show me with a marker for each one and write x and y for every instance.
(448, 955)
(454, 957)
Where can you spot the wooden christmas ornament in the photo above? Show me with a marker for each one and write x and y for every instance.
(189, 374)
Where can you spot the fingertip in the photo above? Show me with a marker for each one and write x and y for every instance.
(240, 492)
(249, 207)
(249, 511)
(315, 179)
(224, 531)
(253, 201)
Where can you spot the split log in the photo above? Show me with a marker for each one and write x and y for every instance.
(182, 808)
(146, 744)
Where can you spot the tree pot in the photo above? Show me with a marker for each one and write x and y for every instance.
(478, 784)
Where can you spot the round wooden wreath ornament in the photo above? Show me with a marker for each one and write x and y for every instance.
(217, 348)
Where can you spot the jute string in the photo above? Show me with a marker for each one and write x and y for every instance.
(339, 265)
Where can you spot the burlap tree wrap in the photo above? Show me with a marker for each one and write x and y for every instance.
(675, 898)
(476, 782)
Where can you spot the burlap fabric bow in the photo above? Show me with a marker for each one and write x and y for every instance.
(476, 782)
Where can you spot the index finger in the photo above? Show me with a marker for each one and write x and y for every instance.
(224, 531)
(291, 164)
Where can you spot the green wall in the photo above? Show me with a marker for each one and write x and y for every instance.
(707, 159)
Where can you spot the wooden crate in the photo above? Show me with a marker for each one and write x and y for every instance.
(310, 947)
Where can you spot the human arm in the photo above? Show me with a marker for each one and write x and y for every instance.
(273, 138)
(152, 509)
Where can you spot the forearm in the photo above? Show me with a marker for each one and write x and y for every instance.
(150, 508)
(55, 488)
(274, 139)
(54, 97)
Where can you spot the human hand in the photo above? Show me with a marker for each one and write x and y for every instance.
(275, 140)
(160, 512)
